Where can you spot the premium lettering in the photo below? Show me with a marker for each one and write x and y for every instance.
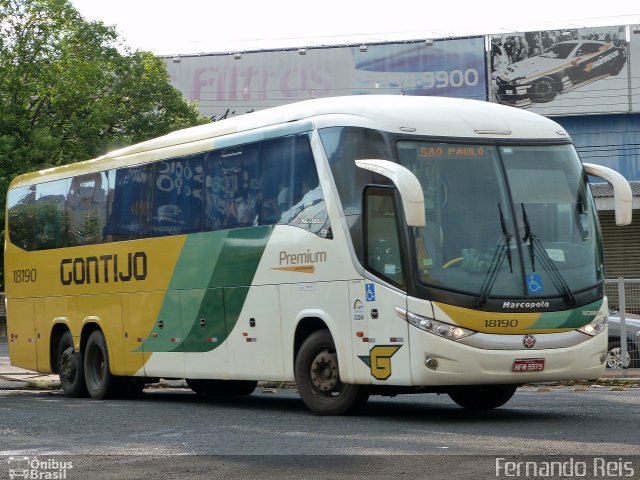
(103, 269)
(300, 258)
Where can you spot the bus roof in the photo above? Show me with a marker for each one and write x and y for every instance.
(431, 116)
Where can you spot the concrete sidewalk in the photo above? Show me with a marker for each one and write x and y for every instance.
(15, 378)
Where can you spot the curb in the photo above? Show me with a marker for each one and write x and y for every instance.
(28, 381)
(35, 382)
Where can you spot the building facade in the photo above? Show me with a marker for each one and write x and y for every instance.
(588, 80)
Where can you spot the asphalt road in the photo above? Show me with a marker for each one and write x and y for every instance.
(270, 434)
(274, 422)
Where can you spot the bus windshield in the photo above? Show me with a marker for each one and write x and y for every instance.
(504, 221)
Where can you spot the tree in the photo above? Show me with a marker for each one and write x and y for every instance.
(70, 90)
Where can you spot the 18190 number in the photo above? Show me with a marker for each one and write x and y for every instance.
(503, 323)
(25, 275)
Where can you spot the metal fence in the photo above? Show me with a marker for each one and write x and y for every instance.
(624, 323)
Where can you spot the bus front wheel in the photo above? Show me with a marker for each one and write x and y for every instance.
(483, 397)
(70, 368)
(318, 380)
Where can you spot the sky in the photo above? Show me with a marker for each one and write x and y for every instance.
(167, 27)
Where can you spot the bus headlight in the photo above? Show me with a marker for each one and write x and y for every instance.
(441, 329)
(595, 326)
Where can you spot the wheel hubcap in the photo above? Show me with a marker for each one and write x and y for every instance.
(324, 371)
(66, 368)
(614, 358)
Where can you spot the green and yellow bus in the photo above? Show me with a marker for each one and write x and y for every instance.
(355, 245)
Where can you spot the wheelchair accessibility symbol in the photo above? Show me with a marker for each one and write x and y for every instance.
(370, 292)
(534, 283)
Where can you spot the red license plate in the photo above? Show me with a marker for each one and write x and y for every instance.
(528, 365)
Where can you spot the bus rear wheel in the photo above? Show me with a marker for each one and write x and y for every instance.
(483, 397)
(222, 388)
(318, 380)
(100, 383)
(70, 368)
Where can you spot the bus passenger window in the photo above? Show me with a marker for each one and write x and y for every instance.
(177, 199)
(309, 192)
(130, 204)
(22, 221)
(277, 168)
(232, 188)
(52, 226)
(87, 209)
(301, 201)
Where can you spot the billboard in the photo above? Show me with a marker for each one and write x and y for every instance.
(551, 72)
(225, 85)
(634, 48)
(562, 72)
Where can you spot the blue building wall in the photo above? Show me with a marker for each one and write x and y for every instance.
(609, 140)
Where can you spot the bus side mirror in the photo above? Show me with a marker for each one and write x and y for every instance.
(622, 196)
(406, 183)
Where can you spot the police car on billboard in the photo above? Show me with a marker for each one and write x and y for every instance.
(560, 68)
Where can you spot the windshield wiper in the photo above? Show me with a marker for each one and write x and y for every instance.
(535, 245)
(503, 249)
(506, 237)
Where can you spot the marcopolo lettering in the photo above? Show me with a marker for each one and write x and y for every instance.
(103, 269)
(511, 305)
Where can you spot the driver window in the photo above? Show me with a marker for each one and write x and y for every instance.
(588, 48)
(382, 243)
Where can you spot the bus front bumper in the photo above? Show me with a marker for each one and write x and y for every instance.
(439, 361)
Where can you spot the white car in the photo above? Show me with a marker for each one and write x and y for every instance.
(614, 350)
(558, 69)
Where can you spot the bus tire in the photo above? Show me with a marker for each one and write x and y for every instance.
(484, 397)
(318, 380)
(222, 388)
(70, 368)
(100, 382)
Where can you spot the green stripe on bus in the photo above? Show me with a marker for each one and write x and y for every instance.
(574, 318)
(211, 279)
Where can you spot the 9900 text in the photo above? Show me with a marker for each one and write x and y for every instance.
(454, 78)
(24, 276)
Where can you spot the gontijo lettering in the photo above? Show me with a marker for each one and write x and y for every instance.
(105, 268)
